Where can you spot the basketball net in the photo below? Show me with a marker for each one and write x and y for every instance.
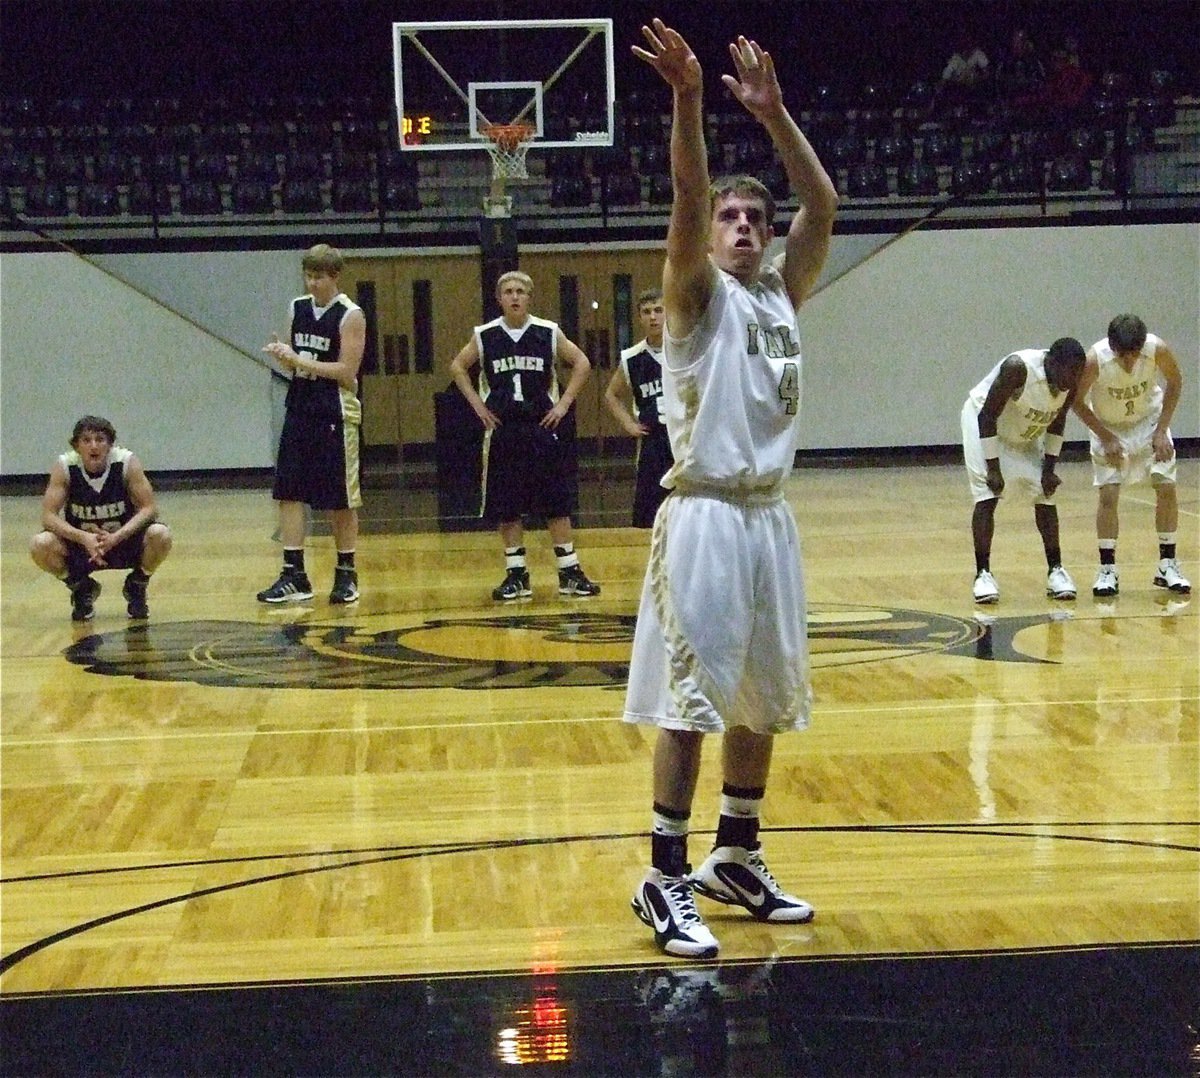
(507, 145)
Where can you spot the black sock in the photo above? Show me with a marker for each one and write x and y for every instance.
(1108, 555)
(1053, 557)
(738, 823)
(293, 560)
(139, 575)
(1166, 551)
(345, 559)
(668, 841)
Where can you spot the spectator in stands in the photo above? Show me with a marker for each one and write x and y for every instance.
(966, 75)
(1020, 71)
(1065, 89)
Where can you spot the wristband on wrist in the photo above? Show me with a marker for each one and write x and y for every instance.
(1053, 445)
(991, 447)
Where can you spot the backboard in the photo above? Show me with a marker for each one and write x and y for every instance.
(456, 79)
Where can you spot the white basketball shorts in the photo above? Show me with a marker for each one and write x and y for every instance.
(1020, 464)
(721, 637)
(1138, 463)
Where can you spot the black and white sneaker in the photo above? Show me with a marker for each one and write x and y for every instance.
(1168, 576)
(574, 581)
(1108, 582)
(345, 586)
(515, 585)
(739, 877)
(83, 599)
(667, 905)
(134, 592)
(291, 587)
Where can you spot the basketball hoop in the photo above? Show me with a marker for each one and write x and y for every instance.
(507, 145)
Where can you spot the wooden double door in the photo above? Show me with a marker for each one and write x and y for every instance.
(421, 309)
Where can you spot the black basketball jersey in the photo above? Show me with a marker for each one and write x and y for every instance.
(643, 368)
(517, 379)
(97, 503)
(317, 334)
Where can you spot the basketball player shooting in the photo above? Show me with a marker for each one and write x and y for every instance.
(721, 637)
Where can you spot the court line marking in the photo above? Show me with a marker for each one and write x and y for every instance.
(898, 709)
(376, 856)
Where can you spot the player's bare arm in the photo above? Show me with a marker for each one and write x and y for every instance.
(53, 502)
(572, 356)
(617, 396)
(1168, 367)
(141, 494)
(687, 274)
(1051, 481)
(756, 87)
(1008, 384)
(460, 368)
(1109, 442)
(345, 370)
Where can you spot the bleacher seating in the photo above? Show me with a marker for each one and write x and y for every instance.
(302, 196)
(917, 178)
(352, 195)
(1069, 172)
(252, 197)
(279, 155)
(45, 199)
(148, 199)
(200, 197)
(99, 200)
(867, 179)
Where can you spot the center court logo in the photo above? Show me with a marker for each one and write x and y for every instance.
(547, 650)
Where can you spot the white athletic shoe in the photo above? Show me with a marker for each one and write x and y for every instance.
(1169, 576)
(667, 905)
(986, 589)
(1059, 584)
(738, 877)
(1108, 582)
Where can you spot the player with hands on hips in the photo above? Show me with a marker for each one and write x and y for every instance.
(637, 381)
(526, 465)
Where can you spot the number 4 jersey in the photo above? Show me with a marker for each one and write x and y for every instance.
(732, 389)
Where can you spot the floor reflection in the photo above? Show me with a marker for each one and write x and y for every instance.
(1085, 1011)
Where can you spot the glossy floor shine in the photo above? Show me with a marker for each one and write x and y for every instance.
(400, 837)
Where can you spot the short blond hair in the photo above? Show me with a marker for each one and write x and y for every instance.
(323, 259)
(515, 275)
(744, 187)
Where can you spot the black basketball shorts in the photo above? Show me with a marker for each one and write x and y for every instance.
(318, 462)
(526, 469)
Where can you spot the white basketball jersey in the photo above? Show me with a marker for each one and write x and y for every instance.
(1025, 418)
(732, 389)
(1120, 397)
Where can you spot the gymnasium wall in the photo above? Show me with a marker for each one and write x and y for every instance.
(891, 347)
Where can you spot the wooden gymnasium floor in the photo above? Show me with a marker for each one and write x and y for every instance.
(401, 838)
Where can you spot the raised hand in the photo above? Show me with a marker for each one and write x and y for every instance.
(670, 56)
(756, 85)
